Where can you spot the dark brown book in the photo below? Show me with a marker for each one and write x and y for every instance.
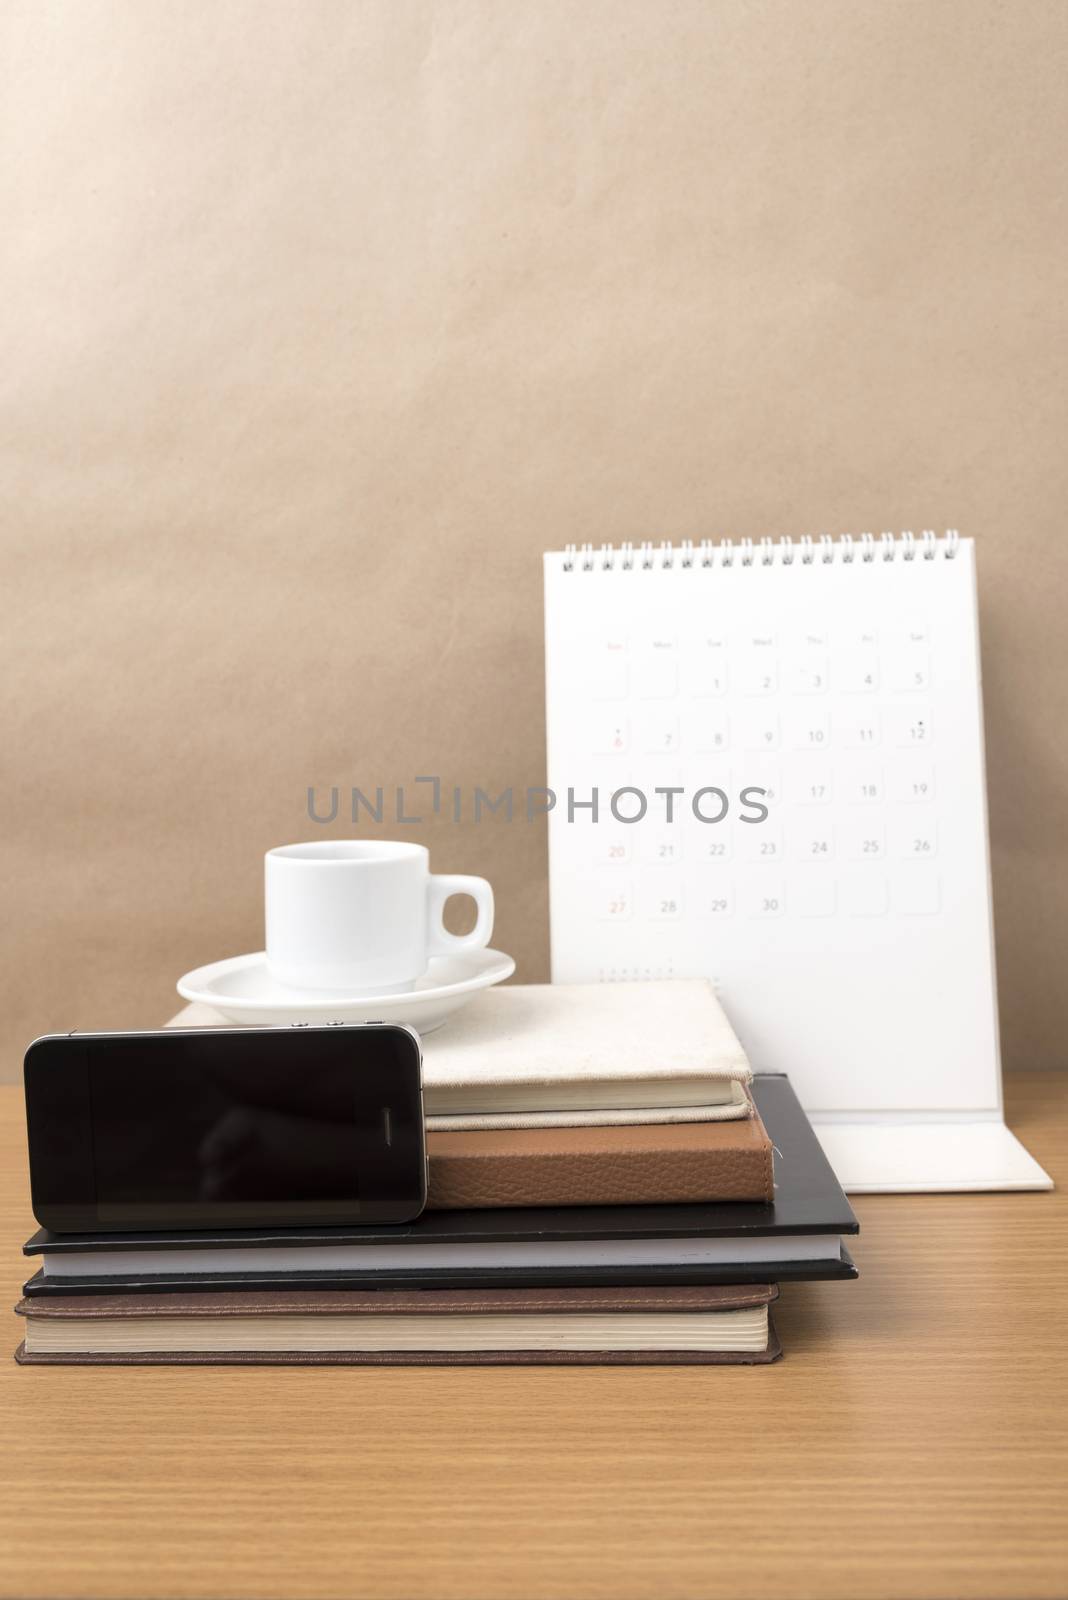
(492, 1327)
(669, 1163)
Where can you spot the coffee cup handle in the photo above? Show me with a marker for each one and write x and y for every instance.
(443, 884)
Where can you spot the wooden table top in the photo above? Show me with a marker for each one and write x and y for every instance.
(913, 1442)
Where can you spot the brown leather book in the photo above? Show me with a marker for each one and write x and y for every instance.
(636, 1326)
(671, 1163)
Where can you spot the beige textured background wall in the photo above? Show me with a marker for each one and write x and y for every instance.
(322, 320)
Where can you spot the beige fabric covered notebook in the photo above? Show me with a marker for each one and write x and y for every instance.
(568, 1055)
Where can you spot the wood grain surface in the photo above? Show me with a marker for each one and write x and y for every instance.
(912, 1443)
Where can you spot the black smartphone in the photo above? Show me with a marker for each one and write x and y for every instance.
(193, 1128)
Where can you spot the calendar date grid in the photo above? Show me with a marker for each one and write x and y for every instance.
(835, 726)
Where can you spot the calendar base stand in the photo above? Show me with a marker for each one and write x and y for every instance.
(899, 1157)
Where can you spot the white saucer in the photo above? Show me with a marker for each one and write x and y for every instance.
(243, 991)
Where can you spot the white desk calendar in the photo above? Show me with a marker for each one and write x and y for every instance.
(849, 929)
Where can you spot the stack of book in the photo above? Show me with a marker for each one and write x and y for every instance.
(609, 1184)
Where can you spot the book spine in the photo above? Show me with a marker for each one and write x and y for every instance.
(474, 1171)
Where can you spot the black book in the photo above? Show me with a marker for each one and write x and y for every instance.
(798, 1236)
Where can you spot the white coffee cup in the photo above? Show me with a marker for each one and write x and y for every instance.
(364, 917)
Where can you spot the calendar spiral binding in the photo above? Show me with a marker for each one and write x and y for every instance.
(785, 551)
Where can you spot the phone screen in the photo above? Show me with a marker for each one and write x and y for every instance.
(242, 1129)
